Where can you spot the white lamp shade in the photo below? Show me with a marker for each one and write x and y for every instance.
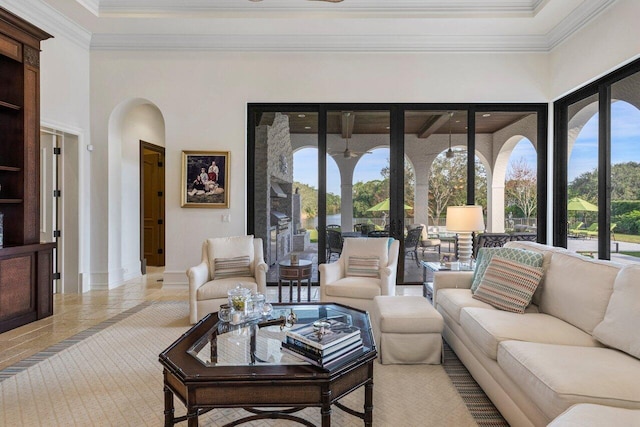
(465, 219)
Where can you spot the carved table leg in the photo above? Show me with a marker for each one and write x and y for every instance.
(368, 404)
(325, 411)
(168, 407)
(192, 417)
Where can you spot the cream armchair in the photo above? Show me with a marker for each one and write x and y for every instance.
(226, 263)
(366, 268)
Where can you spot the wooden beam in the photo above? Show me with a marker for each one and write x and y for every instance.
(432, 124)
(346, 125)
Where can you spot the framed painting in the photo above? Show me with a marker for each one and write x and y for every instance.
(205, 179)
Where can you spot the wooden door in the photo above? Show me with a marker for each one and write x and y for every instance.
(152, 197)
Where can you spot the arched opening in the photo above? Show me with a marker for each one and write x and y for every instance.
(131, 122)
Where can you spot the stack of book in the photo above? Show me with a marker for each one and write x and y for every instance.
(335, 343)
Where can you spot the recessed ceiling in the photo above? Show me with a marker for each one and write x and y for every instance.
(351, 25)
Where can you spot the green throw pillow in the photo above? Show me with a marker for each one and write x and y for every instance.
(531, 258)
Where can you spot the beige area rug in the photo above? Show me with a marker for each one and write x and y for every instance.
(113, 378)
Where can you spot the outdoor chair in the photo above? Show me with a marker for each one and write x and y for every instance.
(366, 268)
(427, 241)
(575, 231)
(226, 263)
(412, 241)
(334, 243)
(489, 240)
(591, 231)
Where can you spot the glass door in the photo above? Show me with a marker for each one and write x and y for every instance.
(284, 169)
(358, 190)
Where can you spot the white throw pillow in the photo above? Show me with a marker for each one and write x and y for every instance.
(621, 325)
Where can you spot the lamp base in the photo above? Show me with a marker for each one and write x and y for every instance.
(465, 248)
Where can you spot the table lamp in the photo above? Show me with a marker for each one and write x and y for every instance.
(464, 220)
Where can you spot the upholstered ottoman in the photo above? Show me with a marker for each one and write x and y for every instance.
(407, 330)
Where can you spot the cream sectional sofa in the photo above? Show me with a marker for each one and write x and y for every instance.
(536, 365)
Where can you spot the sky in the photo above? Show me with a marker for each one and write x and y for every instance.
(625, 125)
(625, 140)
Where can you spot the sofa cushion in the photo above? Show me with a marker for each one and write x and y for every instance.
(587, 414)
(621, 325)
(231, 267)
(488, 328)
(486, 254)
(363, 266)
(229, 247)
(558, 376)
(452, 301)
(508, 285)
(577, 289)
(354, 287)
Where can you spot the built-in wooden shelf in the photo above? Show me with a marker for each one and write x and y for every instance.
(10, 201)
(10, 106)
(10, 168)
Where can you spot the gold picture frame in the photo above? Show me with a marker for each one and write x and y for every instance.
(205, 179)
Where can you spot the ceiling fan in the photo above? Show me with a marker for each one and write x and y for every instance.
(450, 154)
(347, 123)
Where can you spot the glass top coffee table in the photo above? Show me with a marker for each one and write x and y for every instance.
(221, 365)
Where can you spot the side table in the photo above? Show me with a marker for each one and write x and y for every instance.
(427, 282)
(294, 273)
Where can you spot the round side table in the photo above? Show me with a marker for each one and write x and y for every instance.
(294, 273)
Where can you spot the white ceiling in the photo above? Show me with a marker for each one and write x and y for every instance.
(352, 25)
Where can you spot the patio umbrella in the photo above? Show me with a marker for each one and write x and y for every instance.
(384, 206)
(577, 204)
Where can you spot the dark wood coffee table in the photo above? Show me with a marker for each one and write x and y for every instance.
(218, 365)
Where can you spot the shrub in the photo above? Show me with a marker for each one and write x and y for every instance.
(628, 223)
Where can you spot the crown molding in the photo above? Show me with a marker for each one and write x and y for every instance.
(454, 7)
(577, 20)
(49, 19)
(319, 43)
(92, 6)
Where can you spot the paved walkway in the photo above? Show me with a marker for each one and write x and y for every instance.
(591, 245)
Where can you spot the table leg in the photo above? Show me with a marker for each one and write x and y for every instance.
(368, 404)
(192, 418)
(168, 407)
(279, 290)
(308, 290)
(325, 411)
(299, 286)
(290, 290)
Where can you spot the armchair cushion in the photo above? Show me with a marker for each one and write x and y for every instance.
(363, 266)
(220, 287)
(367, 247)
(231, 267)
(229, 247)
(354, 287)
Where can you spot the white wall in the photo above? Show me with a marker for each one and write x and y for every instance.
(609, 41)
(203, 98)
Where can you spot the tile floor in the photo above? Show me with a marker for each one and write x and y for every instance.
(74, 313)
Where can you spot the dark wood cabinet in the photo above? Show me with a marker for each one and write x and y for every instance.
(26, 266)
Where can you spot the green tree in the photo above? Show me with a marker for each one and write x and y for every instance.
(625, 183)
(309, 201)
(447, 183)
(521, 188)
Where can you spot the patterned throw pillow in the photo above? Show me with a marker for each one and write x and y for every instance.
(508, 285)
(363, 266)
(231, 267)
(523, 256)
